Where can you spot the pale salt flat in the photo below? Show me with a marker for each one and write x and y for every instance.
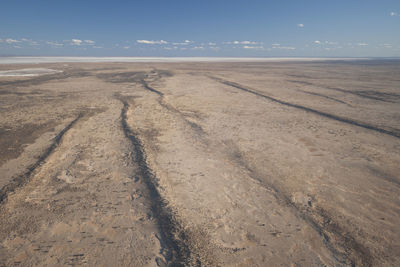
(28, 72)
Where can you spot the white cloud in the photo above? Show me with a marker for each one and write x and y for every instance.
(151, 42)
(249, 42)
(362, 44)
(243, 42)
(79, 42)
(393, 14)
(317, 42)
(284, 47)
(29, 41)
(331, 43)
(276, 44)
(184, 43)
(252, 47)
(97, 46)
(126, 47)
(170, 48)
(76, 42)
(300, 25)
(54, 43)
(198, 48)
(387, 45)
(11, 41)
(212, 44)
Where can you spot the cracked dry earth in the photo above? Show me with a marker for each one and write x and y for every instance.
(201, 164)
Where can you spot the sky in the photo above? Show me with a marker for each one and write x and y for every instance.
(210, 28)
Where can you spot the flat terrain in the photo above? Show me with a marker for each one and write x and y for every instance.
(201, 164)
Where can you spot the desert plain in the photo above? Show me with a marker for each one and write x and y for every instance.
(201, 164)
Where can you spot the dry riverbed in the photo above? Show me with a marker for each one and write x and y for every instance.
(200, 164)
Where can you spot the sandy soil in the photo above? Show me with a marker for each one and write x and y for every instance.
(201, 164)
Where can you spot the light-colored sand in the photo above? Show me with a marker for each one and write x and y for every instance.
(211, 164)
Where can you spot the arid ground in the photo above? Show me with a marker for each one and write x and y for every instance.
(201, 164)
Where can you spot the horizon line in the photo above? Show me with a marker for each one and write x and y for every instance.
(104, 59)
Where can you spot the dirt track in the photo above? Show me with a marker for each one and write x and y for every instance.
(211, 164)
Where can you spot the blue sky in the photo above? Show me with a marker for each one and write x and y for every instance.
(331, 28)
